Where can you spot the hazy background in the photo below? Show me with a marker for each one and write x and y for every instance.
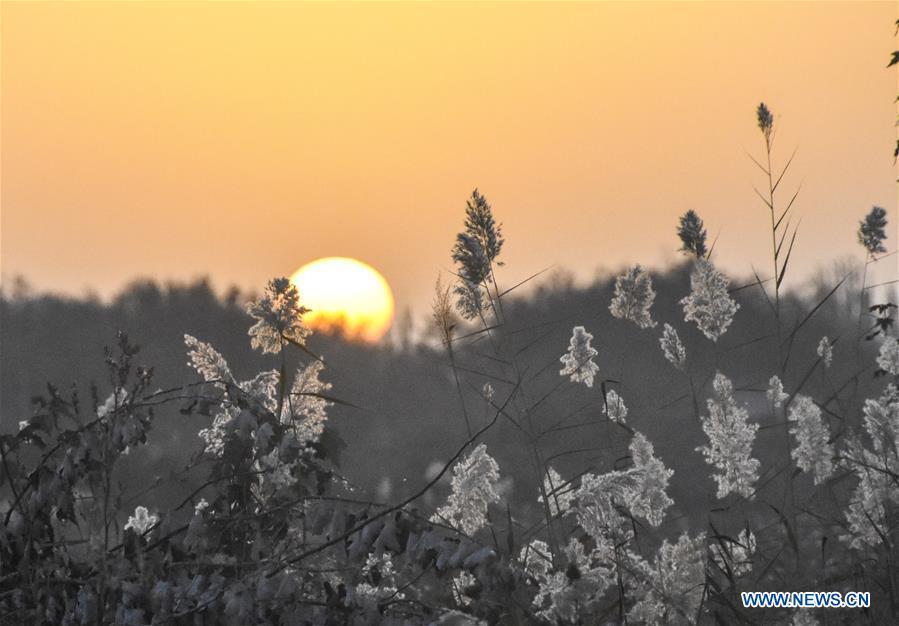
(240, 141)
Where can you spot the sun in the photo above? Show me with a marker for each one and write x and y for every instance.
(346, 296)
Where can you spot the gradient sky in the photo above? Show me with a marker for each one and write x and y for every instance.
(240, 141)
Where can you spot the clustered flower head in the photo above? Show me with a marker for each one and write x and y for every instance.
(442, 313)
(303, 410)
(765, 120)
(279, 317)
(274, 473)
(871, 231)
(597, 500)
(559, 493)
(874, 495)
(380, 582)
(474, 252)
(735, 556)
(671, 589)
(882, 426)
(536, 559)
(692, 235)
(825, 351)
(566, 594)
(813, 454)
(473, 490)
(306, 409)
(775, 393)
(731, 437)
(141, 521)
(888, 359)
(651, 500)
(578, 361)
(479, 223)
(615, 407)
(640, 490)
(672, 347)
(633, 297)
(115, 401)
(461, 585)
(207, 361)
(474, 268)
(709, 304)
(877, 493)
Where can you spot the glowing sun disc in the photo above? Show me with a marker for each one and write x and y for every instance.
(345, 295)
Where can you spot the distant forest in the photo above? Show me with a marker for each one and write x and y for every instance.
(401, 412)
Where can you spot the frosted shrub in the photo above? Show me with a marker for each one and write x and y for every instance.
(578, 362)
(709, 304)
(633, 297)
(731, 436)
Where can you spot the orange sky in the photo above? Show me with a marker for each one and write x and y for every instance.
(240, 141)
